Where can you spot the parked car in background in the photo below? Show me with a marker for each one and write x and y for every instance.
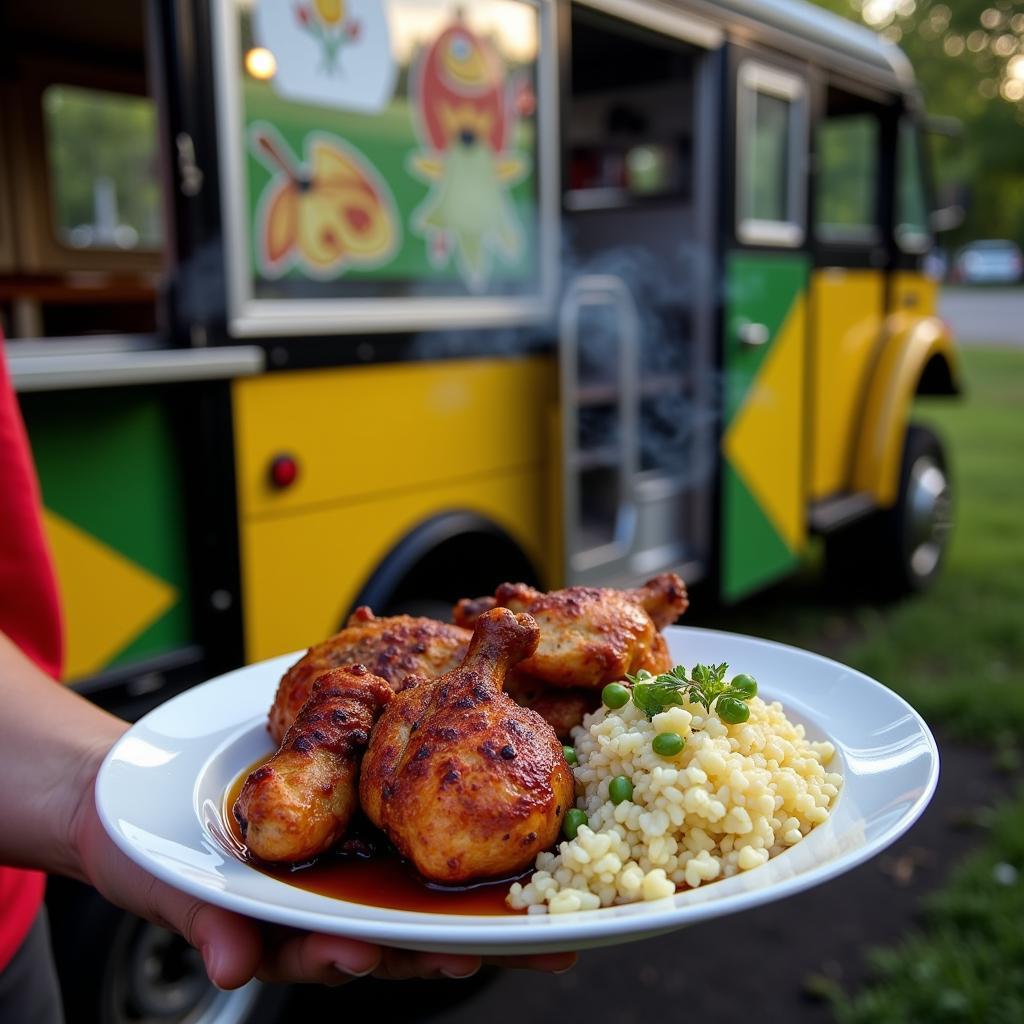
(989, 261)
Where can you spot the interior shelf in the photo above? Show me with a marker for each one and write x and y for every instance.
(581, 200)
(605, 393)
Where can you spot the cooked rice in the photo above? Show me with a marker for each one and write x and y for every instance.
(735, 796)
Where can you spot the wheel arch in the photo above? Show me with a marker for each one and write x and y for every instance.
(917, 358)
(453, 554)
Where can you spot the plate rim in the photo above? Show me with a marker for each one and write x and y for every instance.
(578, 929)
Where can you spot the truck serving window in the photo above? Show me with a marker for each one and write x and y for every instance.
(387, 165)
(101, 151)
(770, 155)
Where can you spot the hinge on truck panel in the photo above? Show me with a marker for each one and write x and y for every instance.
(189, 173)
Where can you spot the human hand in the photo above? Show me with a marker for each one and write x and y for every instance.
(236, 948)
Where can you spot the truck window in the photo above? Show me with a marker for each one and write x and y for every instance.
(846, 195)
(771, 142)
(392, 151)
(101, 152)
(913, 233)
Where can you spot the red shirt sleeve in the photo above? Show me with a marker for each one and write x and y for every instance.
(29, 606)
(29, 615)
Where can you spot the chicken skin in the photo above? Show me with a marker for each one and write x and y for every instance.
(590, 636)
(465, 782)
(393, 648)
(299, 803)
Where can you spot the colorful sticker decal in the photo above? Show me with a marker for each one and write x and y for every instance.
(332, 212)
(334, 53)
(462, 116)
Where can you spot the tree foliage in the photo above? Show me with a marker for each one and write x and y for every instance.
(969, 59)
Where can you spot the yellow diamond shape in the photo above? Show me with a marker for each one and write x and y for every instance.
(765, 441)
(106, 599)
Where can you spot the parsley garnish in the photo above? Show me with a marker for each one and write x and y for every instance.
(704, 686)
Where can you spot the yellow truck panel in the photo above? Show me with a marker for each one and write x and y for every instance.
(380, 450)
(358, 432)
(846, 324)
(913, 292)
(911, 341)
(301, 572)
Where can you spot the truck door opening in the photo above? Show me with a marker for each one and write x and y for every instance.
(634, 331)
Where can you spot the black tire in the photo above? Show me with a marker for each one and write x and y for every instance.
(115, 968)
(899, 550)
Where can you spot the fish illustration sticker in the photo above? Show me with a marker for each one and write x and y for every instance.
(331, 213)
(463, 118)
(333, 53)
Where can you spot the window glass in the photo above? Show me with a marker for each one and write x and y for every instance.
(389, 149)
(103, 170)
(772, 128)
(912, 228)
(769, 164)
(847, 189)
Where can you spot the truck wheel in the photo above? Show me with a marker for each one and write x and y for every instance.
(900, 550)
(115, 968)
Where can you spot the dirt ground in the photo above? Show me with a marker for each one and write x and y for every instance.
(764, 961)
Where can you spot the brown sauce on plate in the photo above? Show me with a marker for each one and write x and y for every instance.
(367, 870)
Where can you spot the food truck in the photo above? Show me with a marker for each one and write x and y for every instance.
(319, 303)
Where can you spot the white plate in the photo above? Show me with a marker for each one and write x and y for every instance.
(160, 794)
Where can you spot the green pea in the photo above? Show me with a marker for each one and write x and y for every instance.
(619, 789)
(745, 686)
(570, 755)
(573, 819)
(667, 744)
(732, 710)
(615, 696)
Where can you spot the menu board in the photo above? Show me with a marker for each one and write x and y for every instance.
(385, 158)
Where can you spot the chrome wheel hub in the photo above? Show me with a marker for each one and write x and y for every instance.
(929, 515)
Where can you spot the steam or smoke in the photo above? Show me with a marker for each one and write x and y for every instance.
(680, 400)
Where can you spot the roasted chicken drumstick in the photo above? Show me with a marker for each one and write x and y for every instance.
(299, 803)
(465, 782)
(393, 648)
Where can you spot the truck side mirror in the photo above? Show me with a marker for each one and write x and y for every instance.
(948, 218)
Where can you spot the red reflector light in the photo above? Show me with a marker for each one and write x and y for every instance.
(283, 471)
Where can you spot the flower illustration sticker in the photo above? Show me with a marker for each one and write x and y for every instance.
(334, 28)
(463, 117)
(333, 53)
(331, 213)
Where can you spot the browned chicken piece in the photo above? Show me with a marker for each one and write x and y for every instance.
(393, 648)
(663, 597)
(562, 709)
(591, 636)
(465, 782)
(299, 803)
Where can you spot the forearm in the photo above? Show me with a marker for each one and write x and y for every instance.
(51, 744)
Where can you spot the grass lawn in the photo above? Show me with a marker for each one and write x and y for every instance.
(967, 961)
(957, 653)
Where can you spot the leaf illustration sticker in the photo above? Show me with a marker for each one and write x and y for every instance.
(325, 215)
